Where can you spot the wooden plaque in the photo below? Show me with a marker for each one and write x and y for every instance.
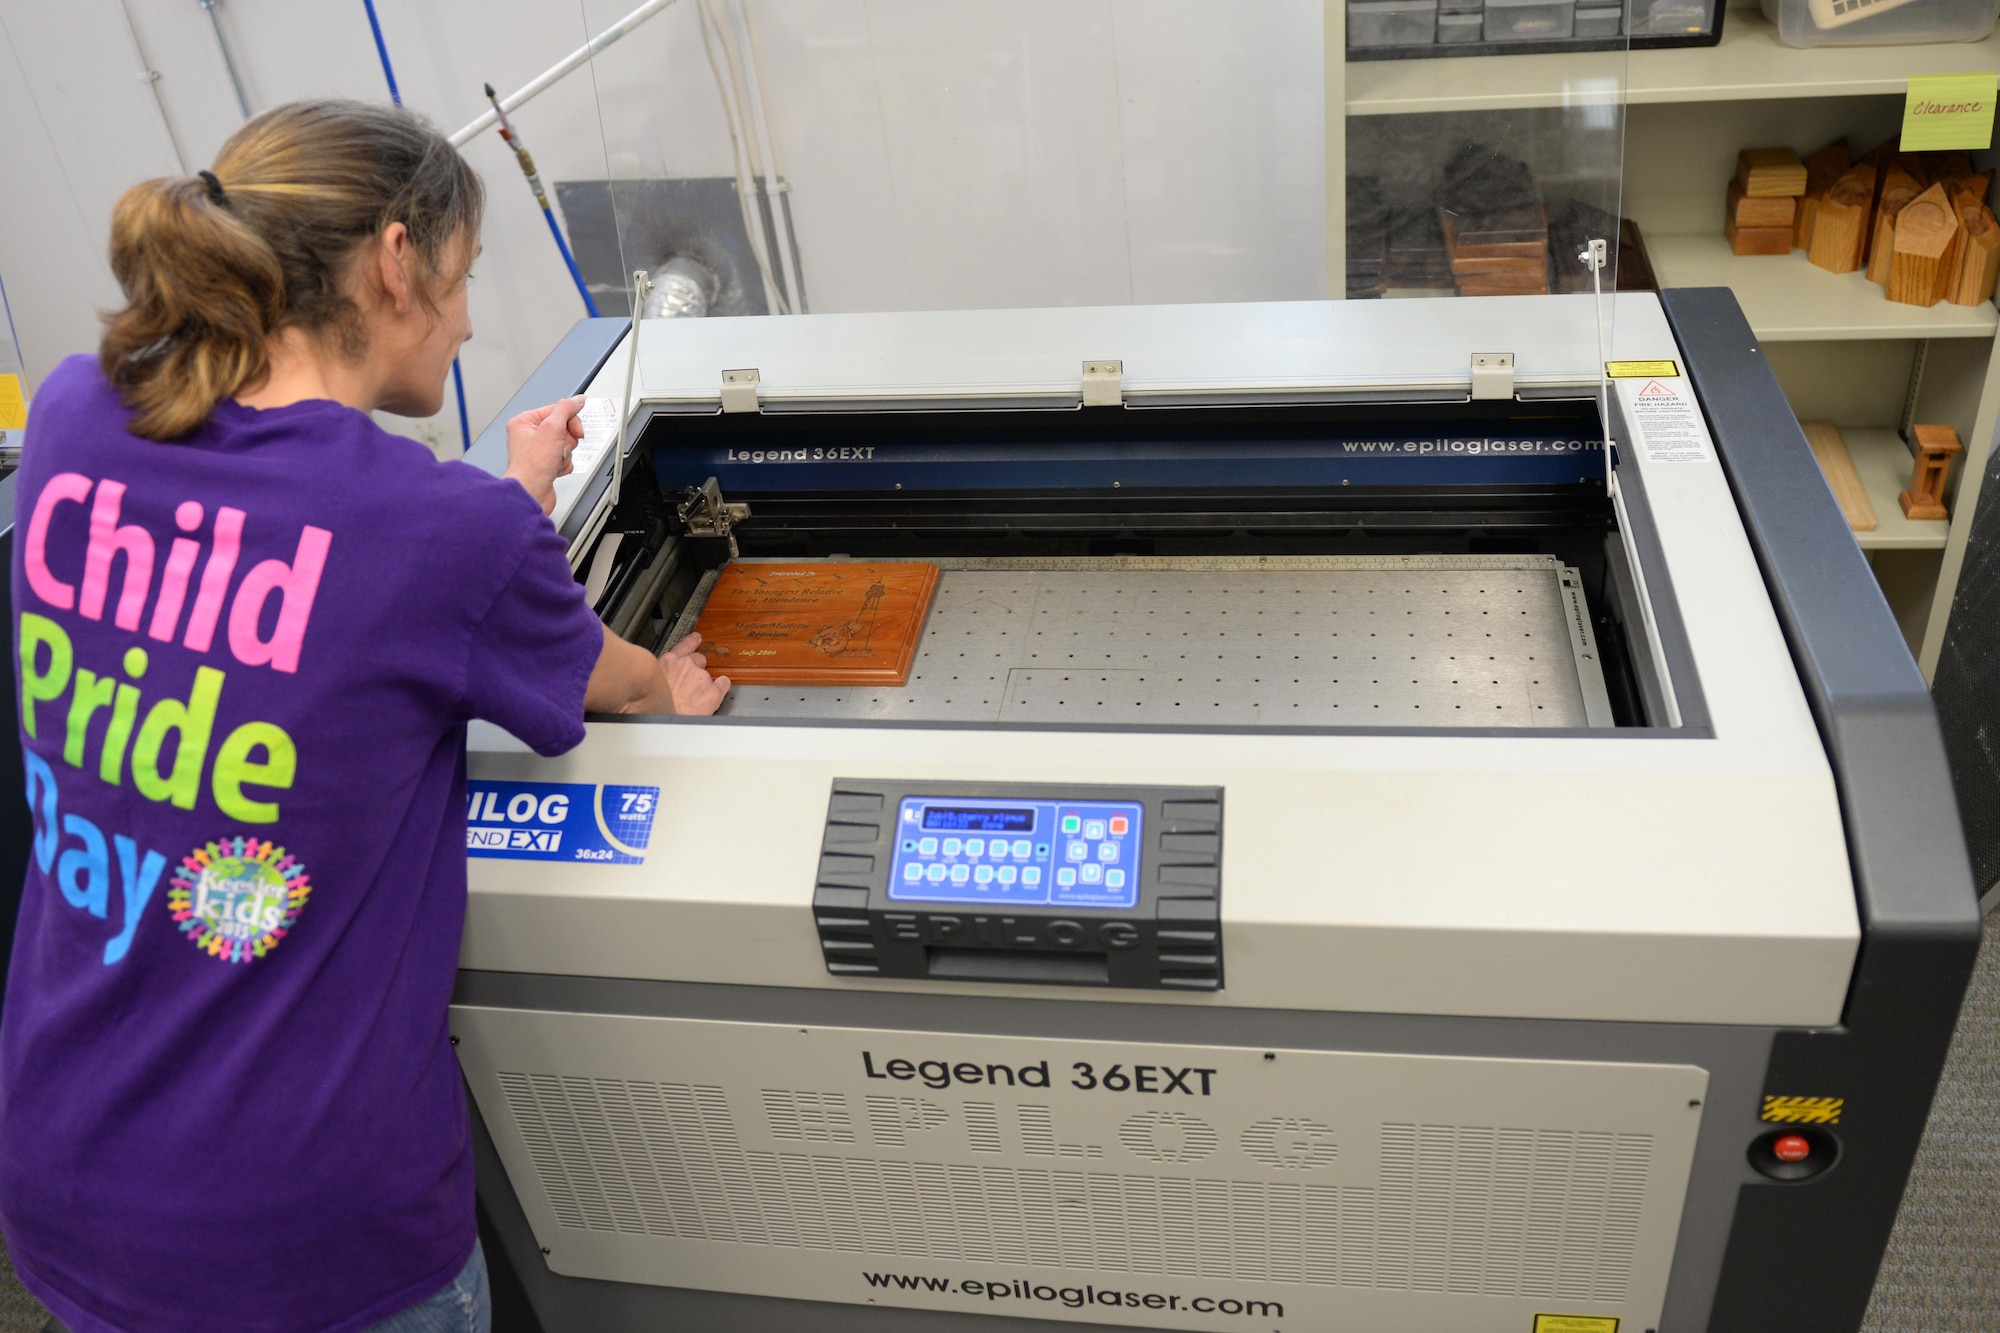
(814, 623)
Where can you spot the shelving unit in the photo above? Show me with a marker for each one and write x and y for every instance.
(1899, 362)
(1748, 64)
(1788, 300)
(1884, 465)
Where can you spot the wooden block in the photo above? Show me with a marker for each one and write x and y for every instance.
(1975, 187)
(1831, 453)
(1770, 172)
(1757, 240)
(1973, 278)
(1925, 498)
(1925, 228)
(1946, 165)
(1823, 168)
(816, 622)
(1779, 211)
(1898, 189)
(1881, 152)
(1841, 228)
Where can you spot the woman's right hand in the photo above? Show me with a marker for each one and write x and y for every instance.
(539, 443)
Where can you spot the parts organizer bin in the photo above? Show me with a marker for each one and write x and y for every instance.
(1394, 30)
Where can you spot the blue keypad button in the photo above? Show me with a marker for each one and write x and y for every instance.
(1107, 851)
(1079, 851)
(1094, 829)
(913, 872)
(1071, 824)
(934, 872)
(960, 874)
(1114, 879)
(1041, 849)
(1093, 873)
(1022, 849)
(1008, 874)
(983, 875)
(1065, 877)
(975, 846)
(928, 847)
(909, 844)
(952, 846)
(1031, 875)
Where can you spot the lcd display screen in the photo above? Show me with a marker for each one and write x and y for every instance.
(978, 819)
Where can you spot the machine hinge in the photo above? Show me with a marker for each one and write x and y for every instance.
(704, 513)
(1492, 375)
(1104, 384)
(739, 391)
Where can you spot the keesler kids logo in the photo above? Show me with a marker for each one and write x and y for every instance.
(235, 899)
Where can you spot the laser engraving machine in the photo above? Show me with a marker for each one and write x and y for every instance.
(1405, 816)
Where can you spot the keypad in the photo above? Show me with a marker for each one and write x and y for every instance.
(1082, 853)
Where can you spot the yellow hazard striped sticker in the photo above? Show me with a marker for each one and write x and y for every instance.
(1575, 1323)
(1803, 1110)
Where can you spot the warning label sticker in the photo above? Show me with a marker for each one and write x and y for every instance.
(1575, 1323)
(1665, 420)
(1627, 370)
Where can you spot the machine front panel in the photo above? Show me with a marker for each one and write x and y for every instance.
(1163, 1186)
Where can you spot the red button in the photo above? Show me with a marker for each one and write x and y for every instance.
(1791, 1148)
(1118, 825)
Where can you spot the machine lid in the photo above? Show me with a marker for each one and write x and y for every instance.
(970, 203)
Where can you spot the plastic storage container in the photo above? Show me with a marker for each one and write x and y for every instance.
(1529, 20)
(1671, 18)
(1391, 22)
(1880, 22)
(1461, 27)
(1598, 22)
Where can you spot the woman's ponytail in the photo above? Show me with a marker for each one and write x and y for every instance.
(203, 292)
(213, 265)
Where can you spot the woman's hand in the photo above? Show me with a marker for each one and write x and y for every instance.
(539, 443)
(628, 679)
(694, 692)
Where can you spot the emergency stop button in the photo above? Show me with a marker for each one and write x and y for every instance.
(1796, 1152)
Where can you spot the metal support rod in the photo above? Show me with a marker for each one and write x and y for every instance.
(512, 139)
(542, 82)
(151, 78)
(1918, 364)
(228, 59)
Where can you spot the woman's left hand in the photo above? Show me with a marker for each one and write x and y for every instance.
(539, 443)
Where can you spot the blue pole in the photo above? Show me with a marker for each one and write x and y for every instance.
(458, 382)
(382, 49)
(396, 96)
(574, 272)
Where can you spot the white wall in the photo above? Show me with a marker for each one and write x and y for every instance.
(942, 153)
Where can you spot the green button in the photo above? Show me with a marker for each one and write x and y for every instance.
(1071, 823)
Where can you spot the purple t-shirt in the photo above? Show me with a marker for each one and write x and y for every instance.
(228, 1099)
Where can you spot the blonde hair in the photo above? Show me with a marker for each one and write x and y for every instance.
(212, 265)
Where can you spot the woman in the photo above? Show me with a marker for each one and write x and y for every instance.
(252, 627)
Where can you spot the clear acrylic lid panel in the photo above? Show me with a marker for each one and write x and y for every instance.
(847, 156)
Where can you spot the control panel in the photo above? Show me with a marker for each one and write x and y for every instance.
(1004, 882)
(1076, 853)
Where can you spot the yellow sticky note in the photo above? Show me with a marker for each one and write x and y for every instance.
(1949, 111)
(13, 406)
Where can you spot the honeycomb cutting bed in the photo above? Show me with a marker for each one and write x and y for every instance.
(1413, 641)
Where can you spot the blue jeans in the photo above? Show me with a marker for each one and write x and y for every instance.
(465, 1305)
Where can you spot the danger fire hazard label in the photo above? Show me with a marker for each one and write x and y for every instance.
(1665, 422)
